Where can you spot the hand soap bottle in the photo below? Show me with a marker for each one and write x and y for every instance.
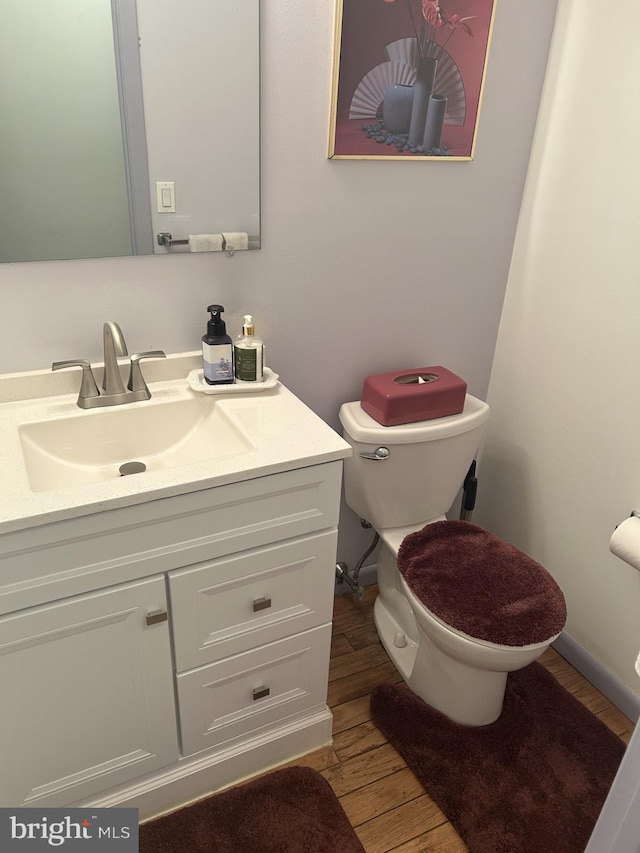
(217, 350)
(248, 353)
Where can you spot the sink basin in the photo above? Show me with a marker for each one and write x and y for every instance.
(90, 447)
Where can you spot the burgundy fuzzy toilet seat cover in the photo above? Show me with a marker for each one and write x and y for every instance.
(481, 585)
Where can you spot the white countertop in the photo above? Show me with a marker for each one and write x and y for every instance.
(283, 432)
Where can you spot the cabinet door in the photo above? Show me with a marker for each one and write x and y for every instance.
(87, 700)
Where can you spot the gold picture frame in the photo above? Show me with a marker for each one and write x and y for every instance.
(408, 78)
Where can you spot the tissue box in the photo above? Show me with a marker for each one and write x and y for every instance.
(406, 396)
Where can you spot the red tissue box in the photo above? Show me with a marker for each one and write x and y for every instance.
(420, 394)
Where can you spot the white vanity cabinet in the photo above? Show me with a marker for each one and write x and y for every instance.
(153, 653)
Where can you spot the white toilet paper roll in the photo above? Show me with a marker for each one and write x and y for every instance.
(638, 665)
(625, 542)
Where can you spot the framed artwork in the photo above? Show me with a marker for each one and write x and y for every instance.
(408, 77)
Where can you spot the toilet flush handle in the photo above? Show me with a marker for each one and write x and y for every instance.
(379, 455)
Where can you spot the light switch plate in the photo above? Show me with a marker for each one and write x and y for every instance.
(166, 196)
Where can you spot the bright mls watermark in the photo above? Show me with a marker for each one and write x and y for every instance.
(36, 830)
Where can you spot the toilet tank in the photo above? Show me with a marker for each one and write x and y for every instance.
(424, 470)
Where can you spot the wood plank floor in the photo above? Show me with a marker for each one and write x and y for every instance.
(382, 798)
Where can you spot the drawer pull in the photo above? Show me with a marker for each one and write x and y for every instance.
(260, 692)
(157, 616)
(261, 604)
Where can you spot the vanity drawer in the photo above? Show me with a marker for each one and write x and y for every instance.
(252, 691)
(236, 603)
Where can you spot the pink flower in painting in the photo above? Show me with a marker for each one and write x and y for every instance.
(431, 13)
(455, 21)
(432, 17)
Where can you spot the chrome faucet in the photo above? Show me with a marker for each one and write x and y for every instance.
(113, 392)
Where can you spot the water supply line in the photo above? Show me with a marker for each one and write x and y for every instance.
(343, 576)
(342, 571)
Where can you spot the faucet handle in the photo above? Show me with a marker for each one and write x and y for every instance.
(136, 379)
(88, 387)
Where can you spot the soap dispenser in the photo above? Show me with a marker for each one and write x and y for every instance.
(248, 353)
(217, 350)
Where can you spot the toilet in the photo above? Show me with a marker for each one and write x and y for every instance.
(458, 608)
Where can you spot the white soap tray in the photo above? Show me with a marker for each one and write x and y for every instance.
(196, 381)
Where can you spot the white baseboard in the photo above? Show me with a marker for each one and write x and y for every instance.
(601, 678)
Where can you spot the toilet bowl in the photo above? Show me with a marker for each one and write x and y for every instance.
(457, 608)
(462, 675)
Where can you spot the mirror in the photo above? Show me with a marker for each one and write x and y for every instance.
(126, 119)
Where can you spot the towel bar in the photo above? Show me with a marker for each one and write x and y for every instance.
(165, 238)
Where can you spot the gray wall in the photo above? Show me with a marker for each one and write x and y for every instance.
(367, 266)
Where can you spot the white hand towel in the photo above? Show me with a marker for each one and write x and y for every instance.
(235, 240)
(205, 242)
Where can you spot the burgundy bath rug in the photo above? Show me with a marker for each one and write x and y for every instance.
(288, 811)
(532, 782)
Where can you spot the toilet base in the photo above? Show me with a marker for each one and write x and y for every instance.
(464, 694)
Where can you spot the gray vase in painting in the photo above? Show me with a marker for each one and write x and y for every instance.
(434, 122)
(425, 78)
(396, 108)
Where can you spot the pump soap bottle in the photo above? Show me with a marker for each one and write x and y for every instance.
(248, 353)
(217, 350)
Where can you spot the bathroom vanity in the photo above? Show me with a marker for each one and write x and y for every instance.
(164, 634)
